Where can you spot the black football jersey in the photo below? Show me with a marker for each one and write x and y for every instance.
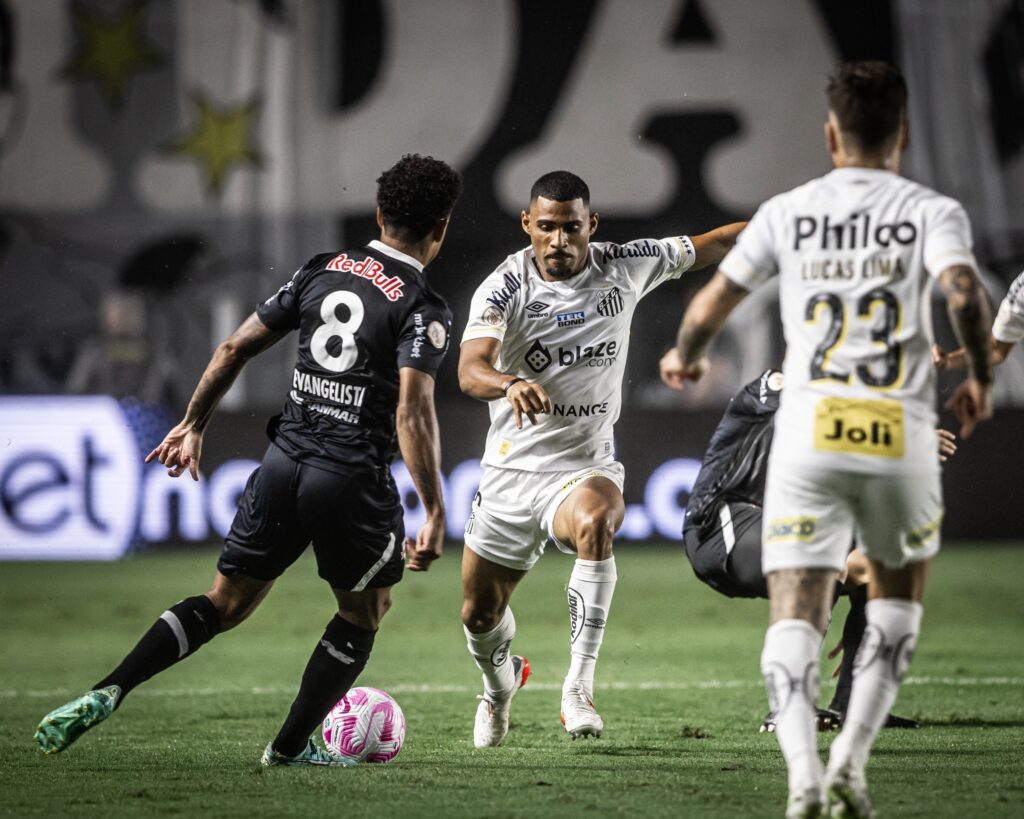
(361, 315)
(736, 463)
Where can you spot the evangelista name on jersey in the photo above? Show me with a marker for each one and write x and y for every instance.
(571, 337)
(855, 251)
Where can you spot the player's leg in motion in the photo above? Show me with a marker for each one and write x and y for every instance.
(178, 633)
(489, 625)
(893, 623)
(338, 658)
(588, 518)
(801, 603)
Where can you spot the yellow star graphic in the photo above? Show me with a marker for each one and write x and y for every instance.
(111, 50)
(219, 140)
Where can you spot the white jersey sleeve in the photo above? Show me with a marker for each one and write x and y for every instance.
(493, 302)
(650, 262)
(947, 238)
(1009, 324)
(752, 260)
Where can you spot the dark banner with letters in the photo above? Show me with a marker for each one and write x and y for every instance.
(73, 485)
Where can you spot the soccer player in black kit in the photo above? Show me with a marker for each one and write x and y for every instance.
(372, 335)
(722, 527)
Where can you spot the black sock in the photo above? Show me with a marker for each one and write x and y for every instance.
(853, 632)
(336, 661)
(179, 632)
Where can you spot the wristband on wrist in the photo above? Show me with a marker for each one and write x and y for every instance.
(508, 386)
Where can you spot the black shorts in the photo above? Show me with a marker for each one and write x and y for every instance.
(353, 521)
(726, 552)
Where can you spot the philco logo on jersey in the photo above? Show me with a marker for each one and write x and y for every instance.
(537, 309)
(571, 319)
(859, 426)
(801, 529)
(856, 232)
(610, 303)
(369, 268)
(503, 295)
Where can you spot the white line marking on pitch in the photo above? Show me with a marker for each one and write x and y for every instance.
(458, 688)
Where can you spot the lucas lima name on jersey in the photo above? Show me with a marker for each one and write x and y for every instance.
(856, 251)
(571, 337)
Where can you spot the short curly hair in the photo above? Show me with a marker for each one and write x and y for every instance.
(415, 194)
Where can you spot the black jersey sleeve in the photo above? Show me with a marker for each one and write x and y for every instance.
(425, 336)
(281, 311)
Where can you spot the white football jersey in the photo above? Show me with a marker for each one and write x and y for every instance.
(855, 251)
(1009, 324)
(570, 337)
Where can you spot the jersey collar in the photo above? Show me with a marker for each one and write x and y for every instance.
(398, 255)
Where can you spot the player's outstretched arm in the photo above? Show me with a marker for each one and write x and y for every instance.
(704, 317)
(420, 442)
(182, 447)
(971, 318)
(478, 378)
(957, 359)
(710, 248)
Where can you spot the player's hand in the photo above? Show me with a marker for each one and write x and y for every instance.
(180, 450)
(947, 445)
(674, 373)
(940, 358)
(427, 547)
(527, 399)
(971, 404)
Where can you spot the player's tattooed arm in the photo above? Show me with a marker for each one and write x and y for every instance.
(971, 318)
(480, 379)
(419, 440)
(710, 248)
(704, 317)
(957, 359)
(182, 446)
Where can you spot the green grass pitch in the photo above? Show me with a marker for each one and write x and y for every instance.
(678, 686)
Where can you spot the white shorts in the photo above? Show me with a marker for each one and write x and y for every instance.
(812, 517)
(514, 511)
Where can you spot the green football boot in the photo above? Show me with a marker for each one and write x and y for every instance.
(312, 755)
(64, 725)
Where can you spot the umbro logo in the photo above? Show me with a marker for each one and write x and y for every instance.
(610, 303)
(537, 309)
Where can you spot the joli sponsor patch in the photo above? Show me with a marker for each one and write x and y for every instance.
(859, 426)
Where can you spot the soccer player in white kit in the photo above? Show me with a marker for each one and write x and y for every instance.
(853, 455)
(546, 347)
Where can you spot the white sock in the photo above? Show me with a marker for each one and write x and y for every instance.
(490, 651)
(882, 661)
(789, 663)
(591, 586)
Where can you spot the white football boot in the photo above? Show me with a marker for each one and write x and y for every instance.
(579, 716)
(848, 793)
(491, 723)
(808, 803)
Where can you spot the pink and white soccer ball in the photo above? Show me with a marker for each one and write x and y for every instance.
(366, 725)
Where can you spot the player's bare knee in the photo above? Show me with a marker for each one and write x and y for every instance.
(479, 616)
(594, 533)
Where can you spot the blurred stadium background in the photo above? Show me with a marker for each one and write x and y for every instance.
(166, 165)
